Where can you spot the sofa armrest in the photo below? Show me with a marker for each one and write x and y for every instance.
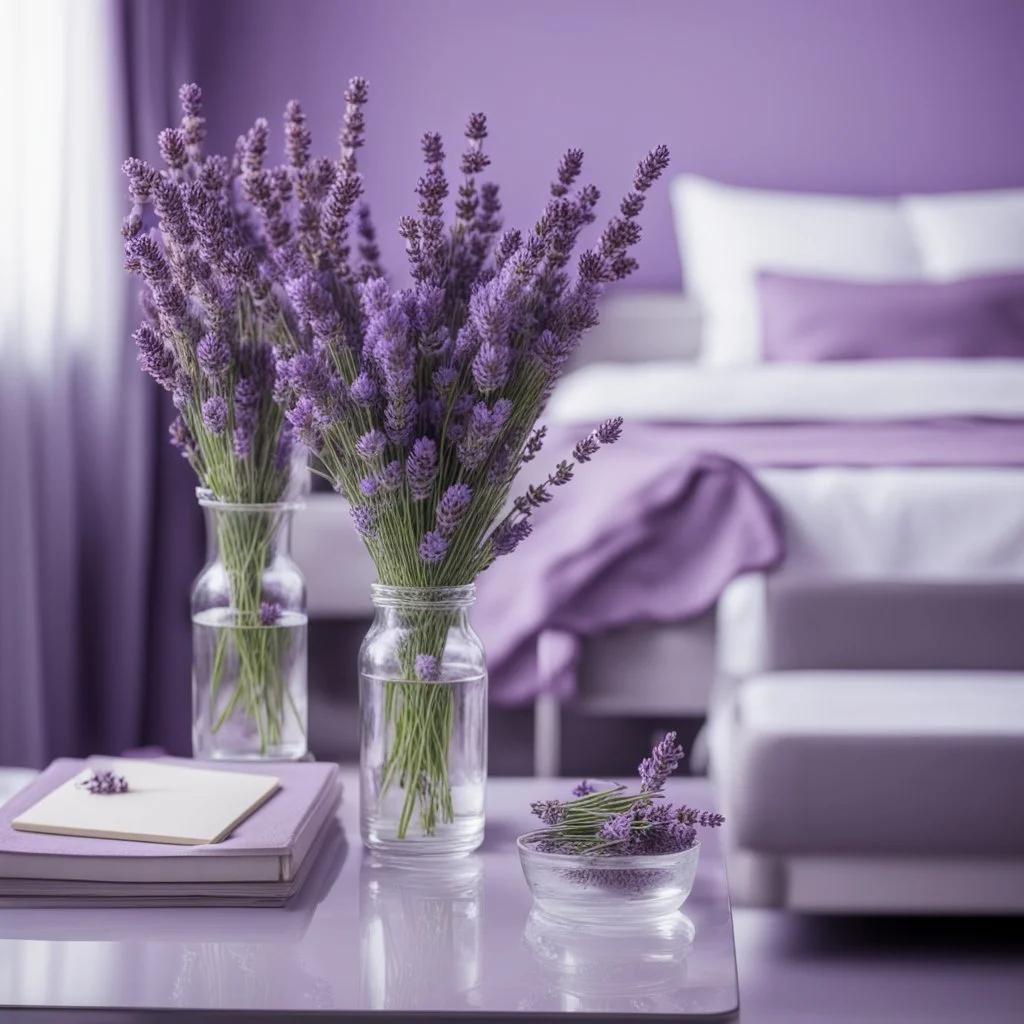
(770, 624)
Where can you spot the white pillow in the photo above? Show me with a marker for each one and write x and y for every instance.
(727, 235)
(960, 234)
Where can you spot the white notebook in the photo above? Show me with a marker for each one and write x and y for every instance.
(164, 804)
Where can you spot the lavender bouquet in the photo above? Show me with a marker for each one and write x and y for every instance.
(420, 404)
(205, 234)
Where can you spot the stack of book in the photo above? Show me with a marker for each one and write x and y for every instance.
(184, 833)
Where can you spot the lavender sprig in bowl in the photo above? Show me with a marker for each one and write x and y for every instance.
(608, 854)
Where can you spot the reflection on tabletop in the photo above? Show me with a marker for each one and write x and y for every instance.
(636, 967)
(188, 924)
(421, 933)
(192, 956)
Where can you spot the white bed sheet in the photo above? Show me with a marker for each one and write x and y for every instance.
(907, 389)
(901, 523)
(939, 523)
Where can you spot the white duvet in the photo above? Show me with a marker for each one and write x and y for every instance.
(882, 523)
(792, 392)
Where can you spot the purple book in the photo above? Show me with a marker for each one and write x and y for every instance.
(268, 846)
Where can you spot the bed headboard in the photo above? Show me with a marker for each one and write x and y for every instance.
(636, 326)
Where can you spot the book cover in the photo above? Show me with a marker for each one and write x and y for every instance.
(268, 846)
(323, 861)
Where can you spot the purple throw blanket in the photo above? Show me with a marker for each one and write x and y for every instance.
(655, 528)
(645, 532)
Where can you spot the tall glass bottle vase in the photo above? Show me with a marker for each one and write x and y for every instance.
(249, 690)
(423, 743)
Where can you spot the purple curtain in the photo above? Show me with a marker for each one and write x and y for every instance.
(100, 534)
(157, 60)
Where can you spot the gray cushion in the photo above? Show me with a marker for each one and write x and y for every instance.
(878, 762)
(899, 625)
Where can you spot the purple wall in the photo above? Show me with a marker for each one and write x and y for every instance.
(866, 96)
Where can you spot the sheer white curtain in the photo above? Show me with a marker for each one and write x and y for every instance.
(72, 541)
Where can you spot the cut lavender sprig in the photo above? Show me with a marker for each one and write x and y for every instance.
(615, 822)
(664, 760)
(103, 782)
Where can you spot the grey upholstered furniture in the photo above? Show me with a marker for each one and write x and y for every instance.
(867, 742)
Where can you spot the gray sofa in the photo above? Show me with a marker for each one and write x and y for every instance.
(867, 743)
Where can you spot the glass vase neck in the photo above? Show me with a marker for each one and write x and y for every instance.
(440, 598)
(208, 500)
(233, 529)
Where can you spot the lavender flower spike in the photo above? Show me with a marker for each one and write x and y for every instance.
(171, 142)
(103, 782)
(508, 536)
(365, 520)
(193, 123)
(551, 812)
(391, 476)
(586, 449)
(270, 613)
(433, 547)
(585, 788)
(371, 444)
(141, 179)
(214, 356)
(363, 390)
(610, 431)
(247, 400)
(490, 367)
(664, 760)
(692, 816)
(427, 668)
(184, 390)
(305, 423)
(421, 468)
(618, 829)
(154, 356)
(215, 414)
(181, 438)
(452, 507)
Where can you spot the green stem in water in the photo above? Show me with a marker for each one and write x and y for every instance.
(246, 540)
(419, 717)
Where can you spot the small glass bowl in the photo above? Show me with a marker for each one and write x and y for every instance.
(607, 887)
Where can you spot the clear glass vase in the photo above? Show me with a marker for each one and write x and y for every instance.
(423, 738)
(248, 637)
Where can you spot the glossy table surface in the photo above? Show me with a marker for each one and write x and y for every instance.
(461, 939)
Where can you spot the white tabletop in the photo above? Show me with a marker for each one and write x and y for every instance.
(361, 936)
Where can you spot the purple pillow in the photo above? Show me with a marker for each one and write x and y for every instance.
(811, 319)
